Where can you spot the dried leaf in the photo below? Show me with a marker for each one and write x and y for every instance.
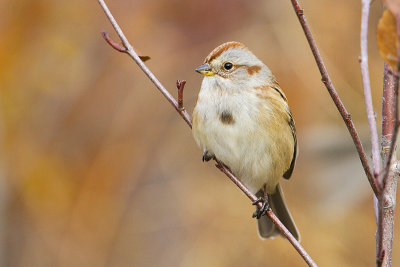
(387, 38)
(144, 58)
(393, 5)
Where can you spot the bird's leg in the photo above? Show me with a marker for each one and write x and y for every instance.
(265, 205)
(207, 156)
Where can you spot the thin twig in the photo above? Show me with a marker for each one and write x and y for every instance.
(113, 44)
(367, 88)
(270, 214)
(181, 85)
(335, 97)
(142, 66)
(187, 118)
(120, 48)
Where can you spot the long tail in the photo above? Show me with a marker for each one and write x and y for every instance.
(266, 228)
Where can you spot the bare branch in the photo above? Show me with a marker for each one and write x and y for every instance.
(387, 204)
(390, 120)
(367, 88)
(144, 68)
(392, 87)
(188, 120)
(390, 127)
(270, 214)
(335, 97)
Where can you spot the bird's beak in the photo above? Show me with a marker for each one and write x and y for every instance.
(205, 69)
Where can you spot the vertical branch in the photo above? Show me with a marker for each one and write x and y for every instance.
(389, 115)
(393, 81)
(335, 97)
(367, 87)
(388, 122)
(390, 127)
(387, 204)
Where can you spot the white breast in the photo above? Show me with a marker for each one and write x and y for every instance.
(241, 145)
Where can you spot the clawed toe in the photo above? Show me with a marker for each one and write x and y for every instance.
(207, 156)
(264, 208)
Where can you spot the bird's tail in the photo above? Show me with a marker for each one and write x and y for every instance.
(266, 228)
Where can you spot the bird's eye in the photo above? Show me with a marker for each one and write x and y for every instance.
(228, 66)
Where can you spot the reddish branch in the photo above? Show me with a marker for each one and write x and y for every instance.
(113, 44)
(390, 126)
(119, 47)
(390, 120)
(139, 62)
(387, 203)
(367, 88)
(129, 50)
(270, 214)
(384, 186)
(335, 97)
(385, 193)
(392, 80)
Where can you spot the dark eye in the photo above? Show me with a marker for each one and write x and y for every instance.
(228, 66)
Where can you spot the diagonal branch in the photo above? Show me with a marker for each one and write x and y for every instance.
(152, 77)
(186, 117)
(367, 87)
(335, 97)
(136, 58)
(270, 214)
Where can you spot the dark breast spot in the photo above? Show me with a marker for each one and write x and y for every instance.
(226, 117)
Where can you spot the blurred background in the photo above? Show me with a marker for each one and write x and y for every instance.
(97, 169)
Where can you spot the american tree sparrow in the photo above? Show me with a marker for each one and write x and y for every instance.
(243, 119)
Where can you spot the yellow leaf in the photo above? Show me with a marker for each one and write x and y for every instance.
(387, 38)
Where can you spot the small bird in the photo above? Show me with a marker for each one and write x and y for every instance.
(242, 118)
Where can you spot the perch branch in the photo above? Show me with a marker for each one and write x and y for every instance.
(367, 88)
(335, 97)
(270, 214)
(187, 118)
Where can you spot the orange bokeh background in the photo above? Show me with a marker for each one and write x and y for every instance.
(97, 169)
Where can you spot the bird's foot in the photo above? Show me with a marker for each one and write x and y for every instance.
(264, 208)
(207, 156)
